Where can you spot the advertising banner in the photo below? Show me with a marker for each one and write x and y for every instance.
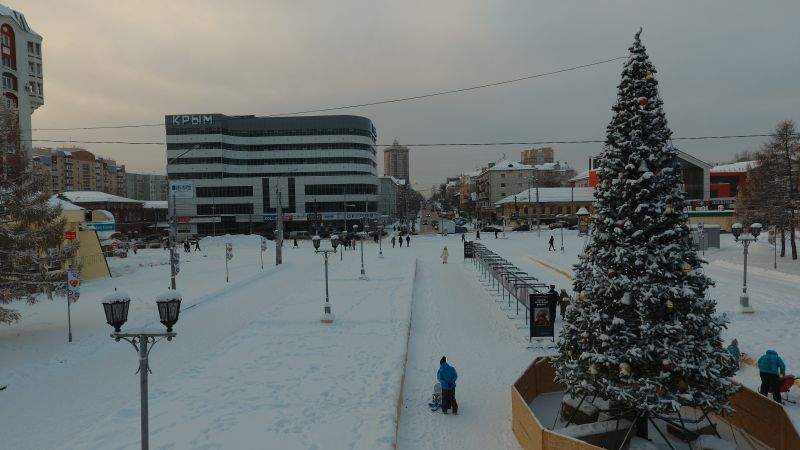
(73, 285)
(542, 317)
(181, 189)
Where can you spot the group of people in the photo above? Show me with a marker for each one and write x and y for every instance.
(400, 240)
(187, 244)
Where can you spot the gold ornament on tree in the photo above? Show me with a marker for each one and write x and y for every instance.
(649, 76)
(624, 369)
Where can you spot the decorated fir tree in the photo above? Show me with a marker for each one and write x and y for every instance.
(643, 334)
(32, 252)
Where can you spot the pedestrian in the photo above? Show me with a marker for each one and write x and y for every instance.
(552, 301)
(495, 234)
(447, 376)
(733, 349)
(463, 239)
(186, 247)
(294, 245)
(134, 247)
(401, 241)
(563, 302)
(197, 244)
(771, 369)
(552, 244)
(477, 234)
(393, 241)
(408, 241)
(445, 254)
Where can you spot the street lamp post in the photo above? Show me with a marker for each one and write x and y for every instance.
(116, 307)
(755, 230)
(327, 314)
(363, 275)
(173, 232)
(562, 235)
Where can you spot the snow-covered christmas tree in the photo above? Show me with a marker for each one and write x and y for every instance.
(642, 335)
(32, 253)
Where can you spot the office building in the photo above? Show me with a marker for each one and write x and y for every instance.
(538, 156)
(395, 162)
(231, 173)
(23, 82)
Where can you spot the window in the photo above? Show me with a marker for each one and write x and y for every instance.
(41, 91)
(8, 82)
(224, 208)
(340, 189)
(38, 49)
(31, 48)
(7, 61)
(6, 40)
(503, 194)
(224, 191)
(502, 185)
(32, 68)
(502, 175)
(38, 69)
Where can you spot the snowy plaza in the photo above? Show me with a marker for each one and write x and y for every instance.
(252, 363)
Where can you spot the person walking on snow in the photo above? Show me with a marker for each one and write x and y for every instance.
(393, 241)
(197, 244)
(408, 241)
(401, 241)
(447, 376)
(445, 254)
(477, 234)
(294, 245)
(771, 369)
(552, 301)
(552, 244)
(495, 234)
(563, 302)
(463, 239)
(733, 349)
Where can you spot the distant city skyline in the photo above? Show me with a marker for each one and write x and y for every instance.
(722, 67)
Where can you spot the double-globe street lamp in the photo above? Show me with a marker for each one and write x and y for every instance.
(363, 275)
(755, 230)
(327, 315)
(116, 307)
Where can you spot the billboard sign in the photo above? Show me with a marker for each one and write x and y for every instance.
(73, 285)
(542, 316)
(181, 189)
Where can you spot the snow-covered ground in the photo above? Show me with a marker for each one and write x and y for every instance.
(253, 367)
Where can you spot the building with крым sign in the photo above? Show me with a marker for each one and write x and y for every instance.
(229, 173)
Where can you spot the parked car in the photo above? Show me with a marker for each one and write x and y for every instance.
(555, 225)
(490, 229)
(459, 230)
(525, 227)
(424, 222)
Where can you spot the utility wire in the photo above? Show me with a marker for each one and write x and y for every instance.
(380, 102)
(453, 144)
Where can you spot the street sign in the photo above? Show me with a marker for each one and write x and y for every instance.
(70, 235)
(207, 219)
(177, 259)
(228, 251)
(73, 285)
(183, 219)
(263, 244)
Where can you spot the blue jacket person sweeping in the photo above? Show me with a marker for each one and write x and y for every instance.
(772, 369)
(447, 377)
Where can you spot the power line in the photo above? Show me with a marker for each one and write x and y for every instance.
(454, 144)
(380, 102)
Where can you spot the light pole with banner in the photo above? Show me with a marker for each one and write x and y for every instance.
(177, 189)
(73, 294)
(363, 275)
(228, 257)
(380, 241)
(263, 249)
(755, 230)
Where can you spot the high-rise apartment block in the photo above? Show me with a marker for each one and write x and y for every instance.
(75, 169)
(142, 186)
(538, 156)
(21, 58)
(395, 161)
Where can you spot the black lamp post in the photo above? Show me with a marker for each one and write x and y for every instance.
(755, 230)
(327, 315)
(363, 275)
(116, 308)
(380, 241)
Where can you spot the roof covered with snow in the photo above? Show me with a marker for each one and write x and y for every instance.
(553, 195)
(507, 164)
(738, 167)
(17, 17)
(156, 204)
(472, 174)
(96, 197)
(581, 176)
(65, 205)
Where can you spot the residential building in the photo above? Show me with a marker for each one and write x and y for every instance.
(395, 161)
(23, 82)
(498, 181)
(547, 204)
(538, 156)
(76, 169)
(726, 178)
(143, 186)
(234, 172)
(119, 214)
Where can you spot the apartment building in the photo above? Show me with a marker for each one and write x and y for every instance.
(76, 169)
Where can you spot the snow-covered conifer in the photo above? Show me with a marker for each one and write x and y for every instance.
(643, 333)
(31, 230)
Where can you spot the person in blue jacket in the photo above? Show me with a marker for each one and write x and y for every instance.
(772, 369)
(447, 377)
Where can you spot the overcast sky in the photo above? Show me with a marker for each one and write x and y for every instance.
(724, 67)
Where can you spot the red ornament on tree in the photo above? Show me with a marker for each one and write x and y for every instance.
(643, 101)
(612, 274)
